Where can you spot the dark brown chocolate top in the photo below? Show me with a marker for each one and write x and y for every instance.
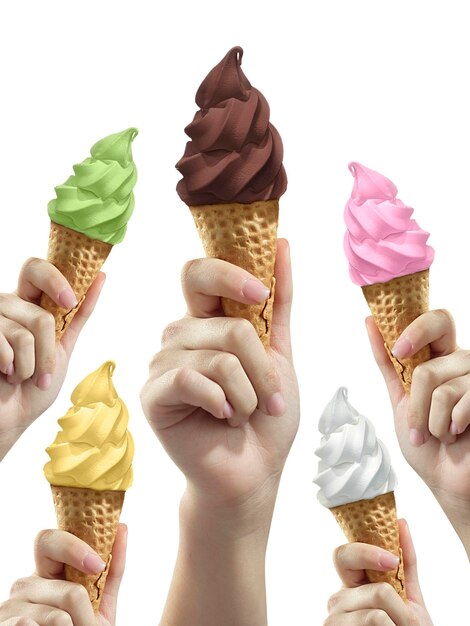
(235, 153)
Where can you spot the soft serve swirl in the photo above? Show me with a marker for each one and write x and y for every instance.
(94, 449)
(382, 242)
(98, 199)
(235, 153)
(354, 465)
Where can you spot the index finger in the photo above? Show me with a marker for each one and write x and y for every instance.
(205, 281)
(37, 277)
(54, 548)
(352, 559)
(434, 328)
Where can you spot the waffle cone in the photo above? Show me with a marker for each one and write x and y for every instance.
(395, 305)
(375, 522)
(93, 516)
(245, 235)
(79, 259)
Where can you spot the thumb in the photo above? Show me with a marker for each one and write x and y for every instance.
(394, 386)
(84, 312)
(280, 331)
(115, 574)
(413, 589)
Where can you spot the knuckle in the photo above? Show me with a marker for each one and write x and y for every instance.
(224, 365)
(43, 540)
(75, 595)
(43, 322)
(187, 271)
(19, 586)
(338, 555)
(239, 331)
(425, 375)
(444, 315)
(333, 601)
(4, 297)
(382, 592)
(373, 618)
(170, 332)
(22, 339)
(444, 394)
(29, 263)
(58, 618)
(183, 378)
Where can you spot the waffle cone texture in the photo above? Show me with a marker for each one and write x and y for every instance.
(93, 516)
(375, 522)
(245, 235)
(394, 305)
(79, 259)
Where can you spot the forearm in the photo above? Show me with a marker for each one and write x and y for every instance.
(219, 576)
(458, 512)
(8, 440)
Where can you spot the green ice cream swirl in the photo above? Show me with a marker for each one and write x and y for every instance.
(98, 199)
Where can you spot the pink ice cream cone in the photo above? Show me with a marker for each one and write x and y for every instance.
(389, 258)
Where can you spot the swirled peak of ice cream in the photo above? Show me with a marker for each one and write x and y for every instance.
(382, 240)
(235, 153)
(98, 199)
(94, 449)
(354, 465)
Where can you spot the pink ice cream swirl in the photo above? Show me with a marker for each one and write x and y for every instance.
(382, 242)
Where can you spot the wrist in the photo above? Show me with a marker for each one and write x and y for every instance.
(457, 510)
(243, 517)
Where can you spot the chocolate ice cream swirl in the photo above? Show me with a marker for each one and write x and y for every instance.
(235, 153)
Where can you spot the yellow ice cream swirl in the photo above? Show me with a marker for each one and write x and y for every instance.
(94, 449)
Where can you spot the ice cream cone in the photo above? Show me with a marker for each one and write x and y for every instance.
(89, 470)
(89, 215)
(79, 259)
(245, 235)
(394, 305)
(93, 516)
(375, 522)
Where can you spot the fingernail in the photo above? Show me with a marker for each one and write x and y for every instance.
(416, 438)
(402, 348)
(254, 290)
(93, 563)
(454, 429)
(276, 405)
(44, 381)
(388, 560)
(228, 410)
(10, 370)
(67, 299)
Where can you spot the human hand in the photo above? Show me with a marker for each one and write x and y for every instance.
(226, 410)
(46, 598)
(32, 365)
(431, 424)
(360, 602)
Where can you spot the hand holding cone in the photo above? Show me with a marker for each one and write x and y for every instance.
(389, 258)
(90, 469)
(357, 483)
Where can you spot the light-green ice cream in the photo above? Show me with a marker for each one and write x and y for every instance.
(98, 199)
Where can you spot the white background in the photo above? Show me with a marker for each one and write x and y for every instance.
(385, 83)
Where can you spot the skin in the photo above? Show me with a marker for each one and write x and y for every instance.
(32, 365)
(227, 412)
(432, 423)
(360, 602)
(47, 598)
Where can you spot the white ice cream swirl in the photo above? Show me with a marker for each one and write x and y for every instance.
(354, 465)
